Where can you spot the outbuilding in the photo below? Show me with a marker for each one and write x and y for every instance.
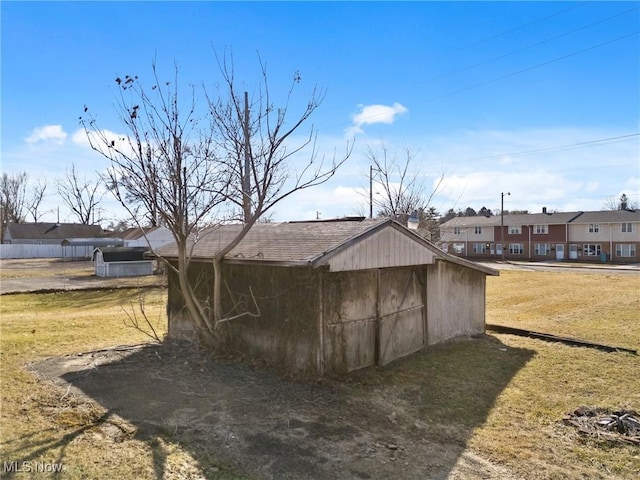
(122, 262)
(333, 296)
(53, 240)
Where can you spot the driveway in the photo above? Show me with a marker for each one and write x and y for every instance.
(557, 266)
(46, 274)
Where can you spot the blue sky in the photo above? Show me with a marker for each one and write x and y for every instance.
(540, 99)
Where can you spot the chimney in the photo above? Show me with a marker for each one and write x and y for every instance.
(544, 209)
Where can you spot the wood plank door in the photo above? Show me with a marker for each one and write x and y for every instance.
(400, 314)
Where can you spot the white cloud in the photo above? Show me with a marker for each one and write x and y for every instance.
(477, 166)
(100, 139)
(47, 133)
(530, 190)
(371, 114)
(79, 137)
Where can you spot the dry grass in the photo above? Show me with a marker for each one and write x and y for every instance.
(598, 307)
(523, 428)
(41, 424)
(504, 398)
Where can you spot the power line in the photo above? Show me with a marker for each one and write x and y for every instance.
(524, 70)
(521, 27)
(528, 69)
(533, 45)
(511, 74)
(559, 148)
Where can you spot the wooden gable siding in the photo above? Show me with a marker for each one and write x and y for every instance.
(386, 248)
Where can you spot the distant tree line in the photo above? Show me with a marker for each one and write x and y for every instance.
(483, 212)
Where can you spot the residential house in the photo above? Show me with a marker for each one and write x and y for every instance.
(53, 240)
(333, 296)
(603, 236)
(151, 237)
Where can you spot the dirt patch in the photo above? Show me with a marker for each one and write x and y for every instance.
(263, 424)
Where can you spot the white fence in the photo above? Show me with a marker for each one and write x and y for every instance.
(14, 250)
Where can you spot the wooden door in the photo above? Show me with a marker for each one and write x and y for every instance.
(400, 314)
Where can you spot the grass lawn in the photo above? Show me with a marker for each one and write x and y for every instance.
(522, 428)
(454, 390)
(36, 420)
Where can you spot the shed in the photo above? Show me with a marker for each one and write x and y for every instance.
(334, 296)
(122, 262)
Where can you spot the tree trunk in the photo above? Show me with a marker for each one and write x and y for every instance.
(217, 335)
(196, 311)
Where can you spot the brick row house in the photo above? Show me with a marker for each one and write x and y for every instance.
(600, 236)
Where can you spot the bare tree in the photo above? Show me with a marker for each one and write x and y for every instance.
(190, 166)
(12, 199)
(81, 195)
(403, 188)
(35, 200)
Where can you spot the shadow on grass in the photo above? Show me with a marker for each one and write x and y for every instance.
(40, 447)
(411, 419)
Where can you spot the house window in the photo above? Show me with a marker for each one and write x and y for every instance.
(458, 248)
(456, 230)
(479, 248)
(593, 228)
(515, 230)
(516, 249)
(541, 229)
(625, 250)
(591, 249)
(542, 249)
(478, 230)
(626, 227)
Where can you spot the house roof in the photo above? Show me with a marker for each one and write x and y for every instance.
(52, 231)
(551, 218)
(135, 233)
(317, 243)
(475, 221)
(609, 216)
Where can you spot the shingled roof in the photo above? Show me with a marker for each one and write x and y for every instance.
(52, 231)
(609, 216)
(309, 243)
(278, 242)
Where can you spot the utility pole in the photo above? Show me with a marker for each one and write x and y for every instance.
(502, 223)
(246, 178)
(370, 191)
(371, 169)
